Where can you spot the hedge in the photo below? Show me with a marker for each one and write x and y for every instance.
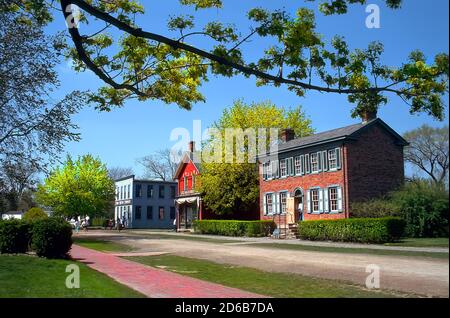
(52, 238)
(362, 230)
(14, 236)
(234, 227)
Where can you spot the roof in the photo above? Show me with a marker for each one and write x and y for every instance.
(142, 180)
(347, 132)
(187, 157)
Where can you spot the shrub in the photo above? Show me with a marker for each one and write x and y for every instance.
(234, 227)
(34, 214)
(14, 236)
(51, 238)
(363, 230)
(376, 208)
(98, 221)
(424, 207)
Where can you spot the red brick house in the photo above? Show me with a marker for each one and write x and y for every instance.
(319, 176)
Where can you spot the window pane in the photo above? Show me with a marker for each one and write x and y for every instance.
(283, 199)
(149, 213)
(315, 200)
(298, 164)
(137, 213)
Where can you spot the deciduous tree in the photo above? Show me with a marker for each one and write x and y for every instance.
(79, 187)
(232, 187)
(160, 165)
(137, 63)
(33, 125)
(428, 151)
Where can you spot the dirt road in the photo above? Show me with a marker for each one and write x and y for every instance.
(417, 275)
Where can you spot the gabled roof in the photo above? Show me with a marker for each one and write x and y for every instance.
(348, 132)
(187, 157)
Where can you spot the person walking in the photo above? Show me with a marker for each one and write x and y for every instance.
(77, 226)
(118, 224)
(175, 224)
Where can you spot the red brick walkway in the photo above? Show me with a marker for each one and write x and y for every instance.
(153, 282)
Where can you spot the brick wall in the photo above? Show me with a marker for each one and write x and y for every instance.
(374, 164)
(321, 179)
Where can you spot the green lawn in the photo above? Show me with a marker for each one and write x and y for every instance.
(264, 283)
(30, 276)
(350, 250)
(422, 242)
(101, 245)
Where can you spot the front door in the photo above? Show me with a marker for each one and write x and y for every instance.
(298, 205)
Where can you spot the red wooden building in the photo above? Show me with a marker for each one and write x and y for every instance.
(189, 204)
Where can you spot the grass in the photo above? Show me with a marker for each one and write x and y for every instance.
(350, 250)
(27, 276)
(422, 242)
(101, 245)
(256, 281)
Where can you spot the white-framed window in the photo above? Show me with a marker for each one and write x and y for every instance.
(307, 164)
(283, 201)
(283, 168)
(269, 203)
(298, 165)
(315, 200)
(333, 198)
(332, 159)
(269, 170)
(314, 162)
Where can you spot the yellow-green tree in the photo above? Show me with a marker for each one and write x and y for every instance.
(34, 214)
(234, 186)
(80, 187)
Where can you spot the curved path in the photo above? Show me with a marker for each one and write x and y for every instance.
(153, 282)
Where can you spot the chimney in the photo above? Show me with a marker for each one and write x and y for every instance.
(368, 115)
(287, 134)
(191, 146)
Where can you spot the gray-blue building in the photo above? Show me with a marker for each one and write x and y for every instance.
(145, 204)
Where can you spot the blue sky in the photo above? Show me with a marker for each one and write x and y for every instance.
(140, 128)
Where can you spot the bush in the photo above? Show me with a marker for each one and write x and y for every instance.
(51, 238)
(377, 208)
(14, 236)
(234, 227)
(424, 207)
(34, 214)
(98, 221)
(362, 230)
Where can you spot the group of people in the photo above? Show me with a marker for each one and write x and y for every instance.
(80, 223)
(118, 224)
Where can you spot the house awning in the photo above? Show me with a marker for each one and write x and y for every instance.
(188, 200)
